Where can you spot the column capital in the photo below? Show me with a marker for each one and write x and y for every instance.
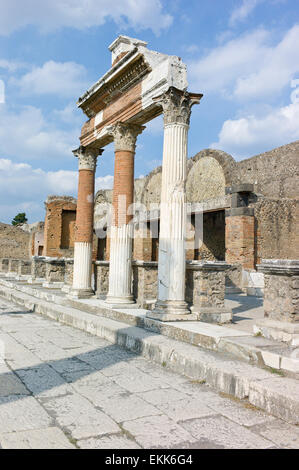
(87, 157)
(177, 105)
(125, 135)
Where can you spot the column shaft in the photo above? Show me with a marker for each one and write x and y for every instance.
(171, 304)
(120, 271)
(84, 223)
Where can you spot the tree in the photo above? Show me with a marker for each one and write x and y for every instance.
(19, 219)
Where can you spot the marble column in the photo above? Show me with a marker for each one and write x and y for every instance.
(171, 304)
(84, 222)
(121, 233)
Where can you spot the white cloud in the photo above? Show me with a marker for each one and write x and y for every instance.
(50, 15)
(254, 134)
(248, 67)
(241, 12)
(24, 188)
(27, 135)
(12, 65)
(66, 79)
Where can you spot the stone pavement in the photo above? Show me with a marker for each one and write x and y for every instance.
(63, 388)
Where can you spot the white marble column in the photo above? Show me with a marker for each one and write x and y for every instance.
(122, 230)
(171, 304)
(84, 223)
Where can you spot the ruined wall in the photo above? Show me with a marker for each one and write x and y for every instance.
(59, 226)
(275, 174)
(277, 228)
(14, 242)
(210, 174)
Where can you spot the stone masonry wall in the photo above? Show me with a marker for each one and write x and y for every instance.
(277, 228)
(14, 242)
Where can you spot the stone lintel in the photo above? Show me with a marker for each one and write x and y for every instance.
(240, 211)
(55, 261)
(242, 188)
(145, 264)
(281, 267)
(208, 265)
(101, 263)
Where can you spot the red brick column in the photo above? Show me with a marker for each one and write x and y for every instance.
(121, 233)
(84, 222)
(239, 237)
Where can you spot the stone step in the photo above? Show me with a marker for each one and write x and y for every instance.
(252, 349)
(277, 395)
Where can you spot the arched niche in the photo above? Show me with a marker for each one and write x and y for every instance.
(209, 174)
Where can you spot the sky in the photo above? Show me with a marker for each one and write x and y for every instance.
(243, 55)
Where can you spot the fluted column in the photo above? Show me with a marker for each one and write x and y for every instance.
(121, 234)
(84, 222)
(171, 304)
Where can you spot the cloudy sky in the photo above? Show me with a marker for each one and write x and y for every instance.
(243, 55)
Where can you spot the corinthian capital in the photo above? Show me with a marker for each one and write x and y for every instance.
(87, 157)
(177, 105)
(125, 135)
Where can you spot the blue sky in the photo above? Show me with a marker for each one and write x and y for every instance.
(243, 55)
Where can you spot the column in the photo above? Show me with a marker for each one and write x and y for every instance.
(84, 222)
(240, 228)
(121, 233)
(171, 304)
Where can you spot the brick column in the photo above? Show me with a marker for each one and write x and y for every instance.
(240, 228)
(121, 233)
(171, 304)
(84, 222)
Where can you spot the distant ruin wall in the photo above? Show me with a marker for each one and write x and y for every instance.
(14, 242)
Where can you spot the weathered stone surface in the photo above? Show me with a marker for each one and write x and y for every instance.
(108, 442)
(80, 417)
(220, 432)
(47, 438)
(20, 413)
(88, 407)
(156, 432)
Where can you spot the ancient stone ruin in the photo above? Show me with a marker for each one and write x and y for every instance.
(199, 228)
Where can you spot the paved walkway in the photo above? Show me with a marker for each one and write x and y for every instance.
(63, 388)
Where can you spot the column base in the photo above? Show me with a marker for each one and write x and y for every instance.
(115, 301)
(213, 314)
(171, 310)
(80, 293)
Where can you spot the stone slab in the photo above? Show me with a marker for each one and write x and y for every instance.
(48, 438)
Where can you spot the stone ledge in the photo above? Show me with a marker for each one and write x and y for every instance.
(239, 211)
(279, 266)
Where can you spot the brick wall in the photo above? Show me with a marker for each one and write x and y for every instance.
(240, 241)
(59, 225)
